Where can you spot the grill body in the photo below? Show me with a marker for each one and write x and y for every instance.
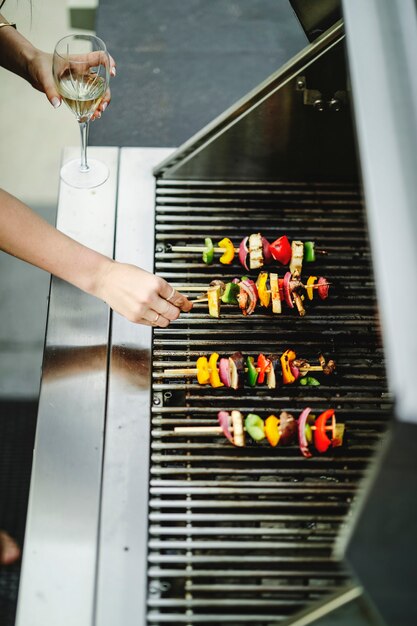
(282, 161)
(248, 535)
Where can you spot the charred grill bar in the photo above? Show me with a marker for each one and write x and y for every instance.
(247, 535)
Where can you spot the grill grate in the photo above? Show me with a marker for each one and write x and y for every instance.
(246, 535)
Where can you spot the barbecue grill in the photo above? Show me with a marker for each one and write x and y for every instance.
(130, 522)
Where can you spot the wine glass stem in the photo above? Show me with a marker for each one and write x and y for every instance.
(84, 139)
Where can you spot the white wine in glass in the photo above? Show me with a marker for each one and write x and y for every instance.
(81, 69)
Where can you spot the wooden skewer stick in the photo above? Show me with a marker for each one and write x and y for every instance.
(194, 288)
(311, 368)
(199, 429)
(202, 299)
(200, 288)
(216, 429)
(193, 371)
(197, 249)
(181, 372)
(217, 249)
(316, 285)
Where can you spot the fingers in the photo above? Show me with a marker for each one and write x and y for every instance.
(55, 100)
(139, 295)
(9, 550)
(112, 66)
(102, 106)
(157, 320)
(51, 91)
(176, 298)
(167, 306)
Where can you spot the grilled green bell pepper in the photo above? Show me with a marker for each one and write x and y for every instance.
(309, 251)
(252, 371)
(254, 425)
(231, 291)
(310, 381)
(208, 252)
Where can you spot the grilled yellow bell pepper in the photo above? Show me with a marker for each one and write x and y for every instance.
(229, 251)
(203, 372)
(272, 431)
(263, 293)
(214, 373)
(287, 375)
(310, 282)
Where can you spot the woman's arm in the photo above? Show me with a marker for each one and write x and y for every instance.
(134, 293)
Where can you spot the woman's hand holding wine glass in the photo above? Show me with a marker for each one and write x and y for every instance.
(81, 67)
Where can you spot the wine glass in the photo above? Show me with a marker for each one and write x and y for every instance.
(81, 69)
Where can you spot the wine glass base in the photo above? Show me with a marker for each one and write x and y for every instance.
(96, 175)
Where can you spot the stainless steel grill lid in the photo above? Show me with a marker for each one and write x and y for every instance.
(296, 125)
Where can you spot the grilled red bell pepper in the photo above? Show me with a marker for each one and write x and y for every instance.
(263, 365)
(321, 440)
(323, 287)
(280, 250)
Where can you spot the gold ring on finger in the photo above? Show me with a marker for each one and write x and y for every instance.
(171, 295)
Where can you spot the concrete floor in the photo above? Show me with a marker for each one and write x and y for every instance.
(32, 137)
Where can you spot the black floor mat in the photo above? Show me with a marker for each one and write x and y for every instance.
(17, 436)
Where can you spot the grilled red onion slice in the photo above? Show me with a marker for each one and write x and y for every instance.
(303, 443)
(265, 251)
(224, 371)
(225, 422)
(294, 370)
(248, 296)
(287, 290)
(244, 252)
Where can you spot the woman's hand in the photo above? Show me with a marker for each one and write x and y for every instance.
(39, 75)
(136, 294)
(20, 56)
(140, 296)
